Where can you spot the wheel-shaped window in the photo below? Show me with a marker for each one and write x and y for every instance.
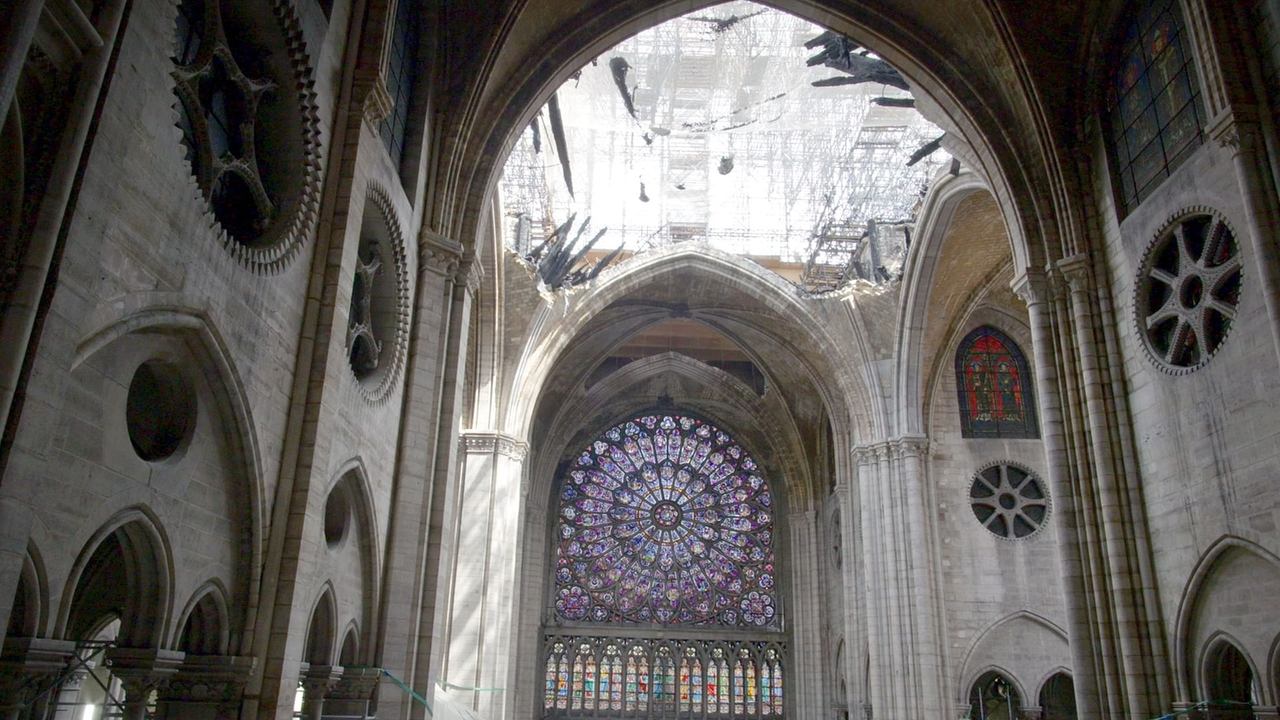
(1188, 291)
(1009, 501)
(249, 125)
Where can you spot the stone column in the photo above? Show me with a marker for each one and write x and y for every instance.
(854, 602)
(352, 694)
(317, 680)
(426, 415)
(879, 692)
(1032, 287)
(483, 603)
(926, 649)
(24, 663)
(1137, 654)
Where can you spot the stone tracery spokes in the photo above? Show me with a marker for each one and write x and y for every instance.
(665, 519)
(219, 110)
(1191, 291)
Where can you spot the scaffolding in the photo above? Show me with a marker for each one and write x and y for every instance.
(709, 128)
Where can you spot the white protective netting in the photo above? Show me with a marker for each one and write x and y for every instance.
(731, 144)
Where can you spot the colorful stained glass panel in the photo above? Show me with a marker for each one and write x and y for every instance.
(665, 519)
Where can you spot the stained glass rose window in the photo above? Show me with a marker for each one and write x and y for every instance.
(665, 519)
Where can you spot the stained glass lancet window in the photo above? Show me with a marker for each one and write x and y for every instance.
(996, 396)
(665, 519)
(1153, 112)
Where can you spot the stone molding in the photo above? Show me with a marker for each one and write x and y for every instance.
(208, 679)
(1075, 270)
(142, 670)
(24, 661)
(1031, 286)
(378, 102)
(494, 442)
(355, 683)
(895, 449)
(438, 254)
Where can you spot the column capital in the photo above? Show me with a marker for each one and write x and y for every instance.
(355, 683)
(1032, 286)
(1075, 270)
(23, 662)
(470, 274)
(378, 102)
(317, 680)
(875, 452)
(209, 679)
(438, 253)
(494, 442)
(910, 446)
(142, 670)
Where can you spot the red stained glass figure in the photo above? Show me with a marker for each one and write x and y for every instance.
(994, 387)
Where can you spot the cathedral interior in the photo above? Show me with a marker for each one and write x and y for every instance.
(613, 359)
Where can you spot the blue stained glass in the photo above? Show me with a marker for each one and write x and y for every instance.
(664, 518)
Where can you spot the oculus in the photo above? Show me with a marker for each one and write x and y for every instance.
(1008, 501)
(1188, 291)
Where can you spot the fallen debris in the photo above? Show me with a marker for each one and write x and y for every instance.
(925, 150)
(562, 145)
(619, 67)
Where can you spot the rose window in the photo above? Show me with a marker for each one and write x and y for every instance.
(248, 123)
(665, 519)
(1009, 501)
(1188, 291)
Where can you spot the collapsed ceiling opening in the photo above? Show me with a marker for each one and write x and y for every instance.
(739, 126)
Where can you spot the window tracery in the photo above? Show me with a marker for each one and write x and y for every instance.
(249, 124)
(1009, 501)
(665, 519)
(995, 387)
(1153, 109)
(1188, 291)
(716, 679)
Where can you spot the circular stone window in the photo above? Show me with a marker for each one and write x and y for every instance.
(337, 514)
(1009, 501)
(249, 126)
(1188, 291)
(159, 411)
(377, 324)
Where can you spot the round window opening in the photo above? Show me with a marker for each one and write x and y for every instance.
(1188, 291)
(377, 324)
(337, 515)
(245, 130)
(159, 410)
(1009, 501)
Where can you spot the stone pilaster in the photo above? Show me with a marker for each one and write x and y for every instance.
(1033, 288)
(480, 643)
(805, 614)
(913, 495)
(437, 341)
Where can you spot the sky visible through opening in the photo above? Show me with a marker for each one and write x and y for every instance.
(708, 128)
